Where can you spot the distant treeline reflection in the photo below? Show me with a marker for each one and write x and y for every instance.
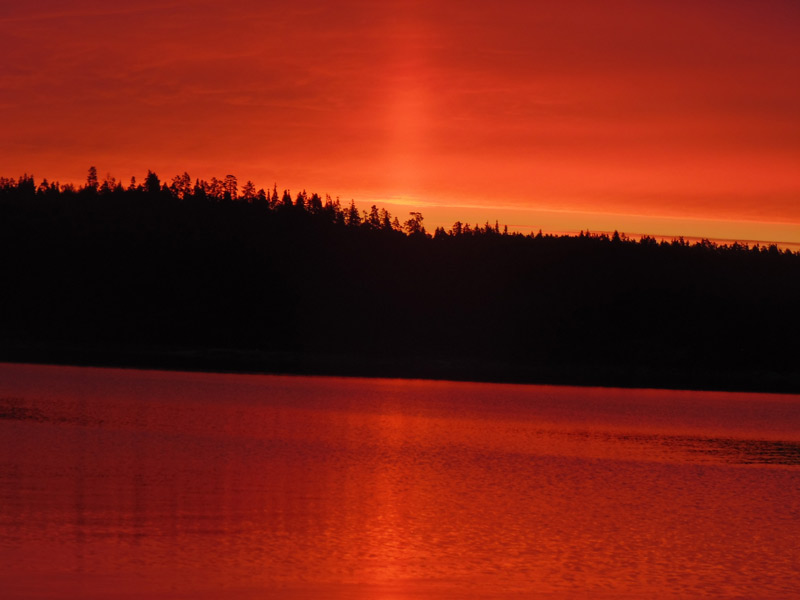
(207, 264)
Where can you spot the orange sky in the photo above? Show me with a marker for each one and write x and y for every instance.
(672, 118)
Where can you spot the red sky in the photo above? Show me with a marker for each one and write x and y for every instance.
(670, 118)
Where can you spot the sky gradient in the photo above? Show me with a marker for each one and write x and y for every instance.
(668, 118)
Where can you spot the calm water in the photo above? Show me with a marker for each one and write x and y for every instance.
(130, 484)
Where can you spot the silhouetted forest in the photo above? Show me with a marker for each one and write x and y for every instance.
(214, 275)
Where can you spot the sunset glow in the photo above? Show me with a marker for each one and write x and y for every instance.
(664, 118)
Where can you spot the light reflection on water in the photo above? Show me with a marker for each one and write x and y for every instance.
(148, 484)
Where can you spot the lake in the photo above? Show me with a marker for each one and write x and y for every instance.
(132, 484)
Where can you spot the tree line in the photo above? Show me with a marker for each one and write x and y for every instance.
(300, 282)
(181, 188)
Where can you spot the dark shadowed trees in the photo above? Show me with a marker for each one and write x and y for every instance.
(91, 179)
(152, 184)
(413, 225)
(177, 266)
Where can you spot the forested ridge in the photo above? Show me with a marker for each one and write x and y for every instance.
(210, 274)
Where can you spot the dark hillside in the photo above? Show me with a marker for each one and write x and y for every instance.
(197, 277)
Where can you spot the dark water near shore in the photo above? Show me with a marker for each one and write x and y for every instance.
(129, 484)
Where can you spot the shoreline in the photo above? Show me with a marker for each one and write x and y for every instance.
(260, 362)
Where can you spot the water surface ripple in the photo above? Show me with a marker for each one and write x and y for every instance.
(129, 484)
